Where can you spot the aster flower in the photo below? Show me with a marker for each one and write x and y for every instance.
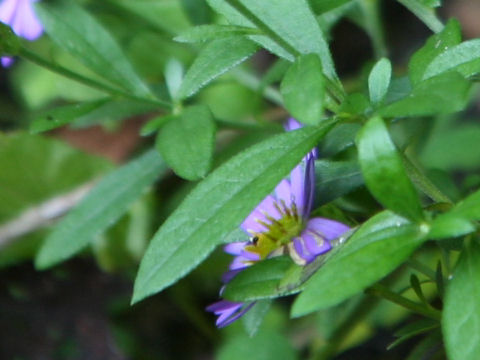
(280, 224)
(20, 16)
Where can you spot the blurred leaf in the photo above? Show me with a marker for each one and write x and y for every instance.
(355, 104)
(62, 115)
(430, 346)
(435, 45)
(447, 225)
(259, 281)
(442, 94)
(414, 329)
(468, 208)
(198, 11)
(254, 317)
(380, 245)
(187, 141)
(292, 25)
(302, 89)
(167, 15)
(214, 59)
(340, 138)
(152, 126)
(322, 6)
(464, 58)
(204, 33)
(10, 43)
(379, 80)
(82, 36)
(453, 147)
(461, 313)
(218, 205)
(383, 170)
(265, 345)
(335, 179)
(103, 205)
(173, 77)
(423, 10)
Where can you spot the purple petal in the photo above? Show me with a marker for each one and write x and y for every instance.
(292, 124)
(7, 61)
(228, 311)
(315, 244)
(222, 305)
(235, 248)
(239, 262)
(298, 188)
(25, 22)
(283, 192)
(301, 251)
(309, 186)
(7, 11)
(224, 320)
(326, 228)
(229, 275)
(250, 256)
(251, 224)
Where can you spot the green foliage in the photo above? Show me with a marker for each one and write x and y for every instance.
(9, 42)
(379, 80)
(186, 142)
(461, 316)
(302, 89)
(383, 170)
(216, 207)
(104, 205)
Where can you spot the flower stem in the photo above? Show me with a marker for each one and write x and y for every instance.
(385, 293)
(36, 59)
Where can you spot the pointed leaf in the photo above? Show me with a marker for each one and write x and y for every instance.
(379, 80)
(383, 170)
(204, 33)
(218, 205)
(461, 314)
(302, 89)
(81, 35)
(103, 205)
(216, 58)
(187, 142)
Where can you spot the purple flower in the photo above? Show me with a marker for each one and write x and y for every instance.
(20, 16)
(280, 224)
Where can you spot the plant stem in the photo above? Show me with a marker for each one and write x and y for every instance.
(36, 59)
(423, 269)
(385, 293)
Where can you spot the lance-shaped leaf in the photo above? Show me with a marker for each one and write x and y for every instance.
(461, 314)
(218, 205)
(215, 59)
(186, 142)
(204, 33)
(377, 248)
(379, 80)
(383, 171)
(103, 205)
(302, 89)
(84, 37)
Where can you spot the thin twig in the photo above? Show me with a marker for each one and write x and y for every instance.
(42, 214)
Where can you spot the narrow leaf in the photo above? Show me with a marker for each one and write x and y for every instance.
(377, 248)
(218, 205)
(302, 89)
(173, 77)
(424, 13)
(461, 312)
(435, 45)
(81, 35)
(464, 58)
(187, 141)
(216, 58)
(379, 80)
(383, 170)
(104, 205)
(254, 317)
(205, 33)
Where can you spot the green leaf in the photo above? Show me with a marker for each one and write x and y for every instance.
(469, 208)
(435, 45)
(383, 170)
(254, 317)
(204, 33)
(302, 89)
(461, 311)
(104, 205)
(379, 80)
(218, 205)
(83, 37)
(292, 24)
(442, 94)
(264, 345)
(10, 43)
(322, 6)
(423, 10)
(259, 281)
(377, 248)
(335, 179)
(414, 329)
(464, 58)
(173, 77)
(152, 126)
(187, 141)
(340, 138)
(63, 115)
(214, 59)
(450, 225)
